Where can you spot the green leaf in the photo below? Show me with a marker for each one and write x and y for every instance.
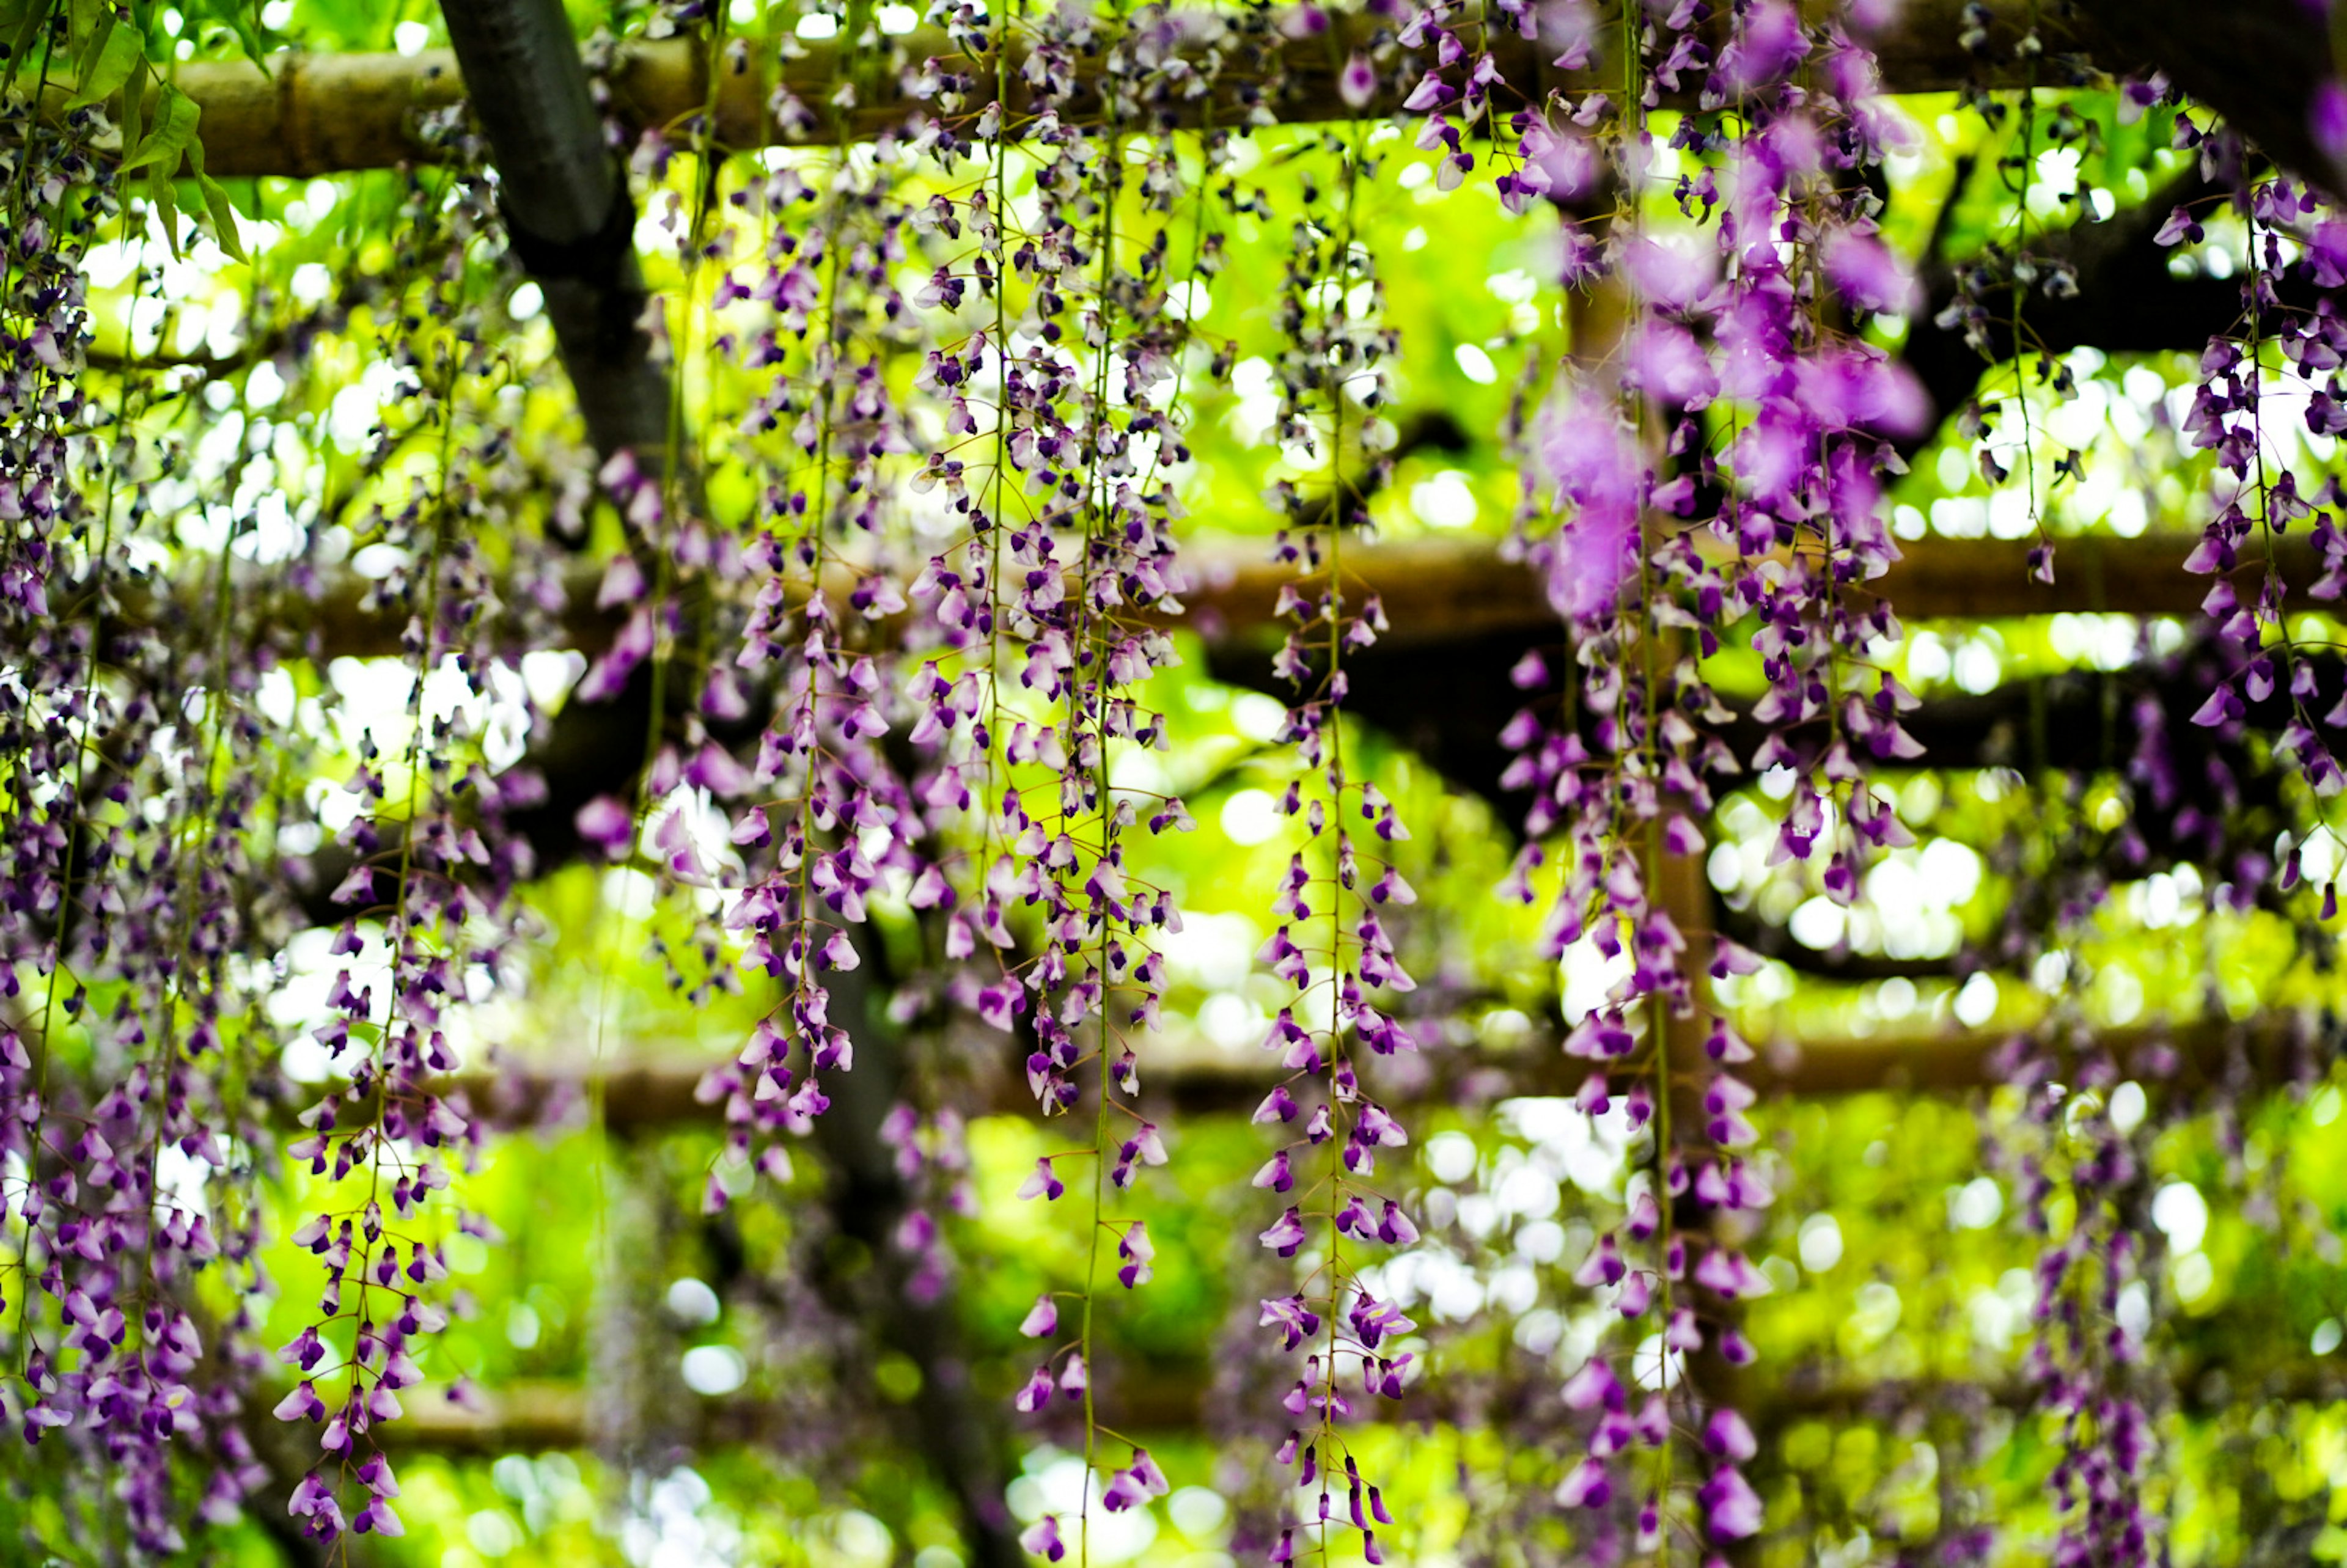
(176, 115)
(239, 17)
(20, 24)
(114, 52)
(216, 203)
(134, 107)
(166, 201)
(84, 19)
(223, 213)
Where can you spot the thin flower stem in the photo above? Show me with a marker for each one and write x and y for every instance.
(1089, 640)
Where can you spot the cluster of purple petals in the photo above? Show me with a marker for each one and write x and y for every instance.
(2087, 1363)
(134, 780)
(426, 914)
(932, 1158)
(1056, 365)
(1332, 945)
(1717, 462)
(820, 820)
(2242, 396)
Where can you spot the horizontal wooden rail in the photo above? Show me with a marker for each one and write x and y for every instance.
(539, 1416)
(1447, 589)
(1986, 579)
(323, 114)
(1439, 590)
(1187, 1075)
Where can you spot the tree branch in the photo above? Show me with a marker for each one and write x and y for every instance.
(569, 215)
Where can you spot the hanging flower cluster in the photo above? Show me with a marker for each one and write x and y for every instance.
(1061, 516)
(2081, 1182)
(824, 815)
(1331, 945)
(2289, 356)
(127, 825)
(1718, 459)
(163, 775)
(426, 912)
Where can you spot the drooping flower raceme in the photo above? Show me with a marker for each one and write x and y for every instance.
(1715, 460)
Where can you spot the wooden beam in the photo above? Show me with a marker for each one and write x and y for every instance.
(1986, 579)
(324, 113)
(1439, 590)
(1187, 1075)
(540, 1415)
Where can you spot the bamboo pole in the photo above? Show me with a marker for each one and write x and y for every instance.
(323, 114)
(1437, 591)
(542, 1415)
(655, 1089)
